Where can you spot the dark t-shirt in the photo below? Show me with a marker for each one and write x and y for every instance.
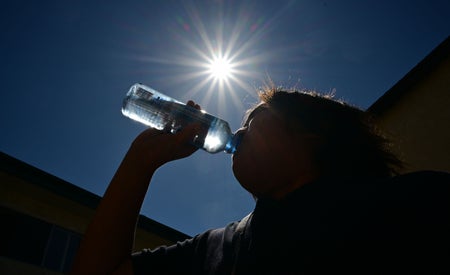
(400, 224)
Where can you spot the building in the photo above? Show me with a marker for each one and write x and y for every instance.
(44, 217)
(415, 113)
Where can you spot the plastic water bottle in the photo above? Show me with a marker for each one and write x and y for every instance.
(154, 109)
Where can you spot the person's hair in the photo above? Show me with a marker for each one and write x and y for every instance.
(350, 144)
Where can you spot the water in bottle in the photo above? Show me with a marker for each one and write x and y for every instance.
(162, 112)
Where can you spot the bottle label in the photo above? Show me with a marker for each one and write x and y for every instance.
(144, 94)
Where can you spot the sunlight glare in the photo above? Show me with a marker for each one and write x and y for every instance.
(216, 61)
(212, 142)
(220, 68)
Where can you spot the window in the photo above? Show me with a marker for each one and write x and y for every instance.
(28, 239)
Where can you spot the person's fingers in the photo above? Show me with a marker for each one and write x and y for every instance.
(193, 104)
(188, 133)
(184, 141)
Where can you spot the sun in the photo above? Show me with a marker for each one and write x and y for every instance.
(220, 68)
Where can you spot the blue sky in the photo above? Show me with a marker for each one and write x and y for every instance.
(66, 66)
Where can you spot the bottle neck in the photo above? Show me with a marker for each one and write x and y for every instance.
(232, 144)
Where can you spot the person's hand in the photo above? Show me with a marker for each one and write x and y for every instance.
(154, 148)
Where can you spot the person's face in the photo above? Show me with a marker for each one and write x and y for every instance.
(269, 160)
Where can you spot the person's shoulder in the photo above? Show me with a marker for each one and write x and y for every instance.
(426, 176)
(412, 205)
(422, 183)
(221, 234)
(422, 194)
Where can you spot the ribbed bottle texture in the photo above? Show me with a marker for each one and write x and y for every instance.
(154, 109)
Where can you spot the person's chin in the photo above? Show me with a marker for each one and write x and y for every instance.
(236, 167)
(235, 158)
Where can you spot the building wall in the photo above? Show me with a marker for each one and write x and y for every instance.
(419, 121)
(35, 201)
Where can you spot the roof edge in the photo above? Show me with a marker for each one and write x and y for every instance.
(422, 69)
(47, 181)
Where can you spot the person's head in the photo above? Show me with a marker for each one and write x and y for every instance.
(304, 136)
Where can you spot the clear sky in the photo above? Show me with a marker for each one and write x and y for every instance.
(66, 66)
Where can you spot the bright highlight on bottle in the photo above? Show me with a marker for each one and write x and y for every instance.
(212, 143)
(220, 68)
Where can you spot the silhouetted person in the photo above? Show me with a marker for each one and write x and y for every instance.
(327, 200)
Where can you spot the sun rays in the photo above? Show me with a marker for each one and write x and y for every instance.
(215, 57)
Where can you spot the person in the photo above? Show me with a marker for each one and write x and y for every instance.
(327, 198)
